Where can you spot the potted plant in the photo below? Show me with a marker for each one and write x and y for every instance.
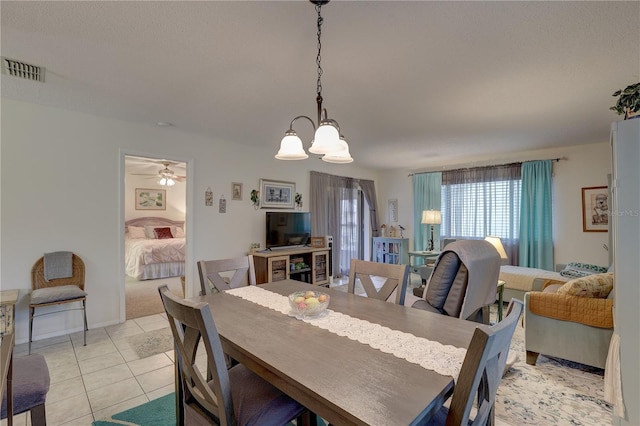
(628, 101)
(298, 200)
(255, 198)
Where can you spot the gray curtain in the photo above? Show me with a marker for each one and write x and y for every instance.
(334, 208)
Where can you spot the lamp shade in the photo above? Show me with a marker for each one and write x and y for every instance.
(431, 217)
(340, 156)
(291, 148)
(326, 140)
(495, 241)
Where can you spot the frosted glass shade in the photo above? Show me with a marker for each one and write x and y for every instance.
(167, 181)
(341, 156)
(495, 241)
(431, 217)
(326, 140)
(291, 149)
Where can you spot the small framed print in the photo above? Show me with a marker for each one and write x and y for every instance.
(236, 191)
(595, 209)
(393, 210)
(317, 242)
(151, 199)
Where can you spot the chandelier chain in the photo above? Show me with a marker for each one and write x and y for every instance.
(318, 57)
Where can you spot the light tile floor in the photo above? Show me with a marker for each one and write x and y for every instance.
(103, 378)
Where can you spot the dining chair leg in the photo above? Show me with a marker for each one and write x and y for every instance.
(84, 310)
(31, 312)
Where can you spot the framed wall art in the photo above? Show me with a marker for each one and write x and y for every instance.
(595, 209)
(276, 194)
(151, 199)
(317, 242)
(236, 191)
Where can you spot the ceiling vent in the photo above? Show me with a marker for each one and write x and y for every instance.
(22, 70)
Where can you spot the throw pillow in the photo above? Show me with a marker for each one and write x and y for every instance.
(179, 233)
(136, 232)
(596, 286)
(577, 269)
(163, 233)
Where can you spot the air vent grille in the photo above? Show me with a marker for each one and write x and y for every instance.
(22, 70)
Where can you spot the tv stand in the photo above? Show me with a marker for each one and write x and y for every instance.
(305, 264)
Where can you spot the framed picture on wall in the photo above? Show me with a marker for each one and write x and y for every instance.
(276, 194)
(236, 191)
(151, 199)
(595, 209)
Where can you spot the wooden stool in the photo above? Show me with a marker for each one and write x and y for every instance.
(30, 385)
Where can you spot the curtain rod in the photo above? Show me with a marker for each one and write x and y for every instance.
(489, 165)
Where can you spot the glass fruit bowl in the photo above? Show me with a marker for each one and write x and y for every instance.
(308, 303)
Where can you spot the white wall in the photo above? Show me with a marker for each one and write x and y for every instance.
(585, 166)
(61, 190)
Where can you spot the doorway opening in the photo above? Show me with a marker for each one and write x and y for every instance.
(155, 244)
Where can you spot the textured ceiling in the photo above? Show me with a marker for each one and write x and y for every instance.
(412, 84)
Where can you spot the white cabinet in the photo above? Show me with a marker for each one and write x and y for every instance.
(391, 250)
(625, 215)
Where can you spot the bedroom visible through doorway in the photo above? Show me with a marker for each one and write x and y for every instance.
(154, 243)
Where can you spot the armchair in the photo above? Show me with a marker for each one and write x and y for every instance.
(568, 326)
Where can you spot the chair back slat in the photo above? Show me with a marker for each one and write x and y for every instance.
(192, 323)
(482, 369)
(210, 272)
(77, 278)
(396, 279)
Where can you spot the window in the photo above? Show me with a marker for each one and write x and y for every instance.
(482, 201)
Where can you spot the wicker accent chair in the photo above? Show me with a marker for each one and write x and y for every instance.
(244, 273)
(236, 396)
(57, 292)
(481, 373)
(396, 279)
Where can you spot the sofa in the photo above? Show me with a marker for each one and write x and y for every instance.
(572, 320)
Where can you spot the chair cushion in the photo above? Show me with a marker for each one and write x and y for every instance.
(441, 280)
(30, 383)
(257, 402)
(56, 294)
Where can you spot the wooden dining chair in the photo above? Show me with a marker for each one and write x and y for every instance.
(243, 269)
(234, 397)
(49, 290)
(481, 372)
(396, 279)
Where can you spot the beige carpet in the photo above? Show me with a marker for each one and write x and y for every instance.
(142, 297)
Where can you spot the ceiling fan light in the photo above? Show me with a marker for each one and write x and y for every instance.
(327, 139)
(170, 182)
(163, 181)
(291, 148)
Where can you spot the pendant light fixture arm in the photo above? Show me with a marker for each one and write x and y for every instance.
(291, 131)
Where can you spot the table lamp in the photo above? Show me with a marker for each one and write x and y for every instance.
(431, 217)
(495, 241)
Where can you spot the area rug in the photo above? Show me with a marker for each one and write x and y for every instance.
(151, 343)
(552, 392)
(159, 412)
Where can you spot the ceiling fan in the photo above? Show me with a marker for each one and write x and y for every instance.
(166, 176)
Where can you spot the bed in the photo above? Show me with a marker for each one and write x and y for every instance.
(150, 251)
(519, 280)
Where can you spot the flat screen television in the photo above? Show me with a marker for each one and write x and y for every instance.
(288, 229)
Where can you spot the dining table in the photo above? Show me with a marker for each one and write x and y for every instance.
(341, 380)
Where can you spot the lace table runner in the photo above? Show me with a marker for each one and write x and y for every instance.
(443, 359)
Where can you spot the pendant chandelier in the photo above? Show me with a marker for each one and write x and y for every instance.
(327, 141)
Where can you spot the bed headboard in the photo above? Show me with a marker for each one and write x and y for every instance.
(152, 221)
